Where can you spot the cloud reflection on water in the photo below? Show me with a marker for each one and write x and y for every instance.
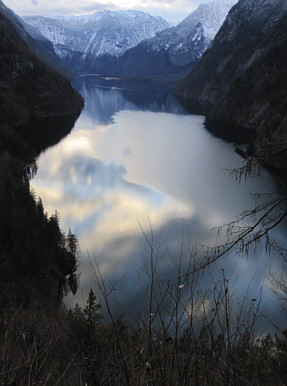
(125, 168)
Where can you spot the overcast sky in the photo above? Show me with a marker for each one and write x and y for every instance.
(172, 10)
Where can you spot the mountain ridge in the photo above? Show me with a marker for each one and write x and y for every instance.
(166, 51)
(89, 39)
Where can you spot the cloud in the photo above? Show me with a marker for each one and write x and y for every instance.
(93, 7)
(172, 10)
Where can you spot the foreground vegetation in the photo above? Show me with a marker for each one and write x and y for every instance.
(173, 346)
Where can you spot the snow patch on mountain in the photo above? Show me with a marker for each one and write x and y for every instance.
(132, 42)
(103, 33)
(182, 45)
(211, 17)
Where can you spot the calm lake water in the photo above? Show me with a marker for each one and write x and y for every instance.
(136, 166)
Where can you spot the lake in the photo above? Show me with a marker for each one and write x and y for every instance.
(136, 170)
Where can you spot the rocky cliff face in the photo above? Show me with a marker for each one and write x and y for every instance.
(28, 87)
(241, 80)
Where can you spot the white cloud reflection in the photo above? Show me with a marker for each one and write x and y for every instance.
(116, 174)
(144, 169)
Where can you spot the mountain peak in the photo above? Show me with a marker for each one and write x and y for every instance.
(102, 33)
(176, 50)
(101, 43)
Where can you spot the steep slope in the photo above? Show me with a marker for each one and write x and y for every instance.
(41, 46)
(90, 43)
(176, 50)
(241, 80)
(28, 87)
(36, 262)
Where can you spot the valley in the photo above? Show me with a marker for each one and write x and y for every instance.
(143, 195)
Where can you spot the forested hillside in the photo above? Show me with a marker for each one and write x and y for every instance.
(241, 80)
(28, 87)
(36, 259)
(42, 47)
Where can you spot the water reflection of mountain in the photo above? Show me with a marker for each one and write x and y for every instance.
(105, 97)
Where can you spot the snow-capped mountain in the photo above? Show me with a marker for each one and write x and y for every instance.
(132, 43)
(211, 16)
(177, 49)
(80, 40)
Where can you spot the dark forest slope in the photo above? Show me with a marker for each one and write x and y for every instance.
(242, 80)
(42, 47)
(28, 87)
(36, 259)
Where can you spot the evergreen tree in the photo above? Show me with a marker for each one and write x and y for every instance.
(91, 310)
(72, 243)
